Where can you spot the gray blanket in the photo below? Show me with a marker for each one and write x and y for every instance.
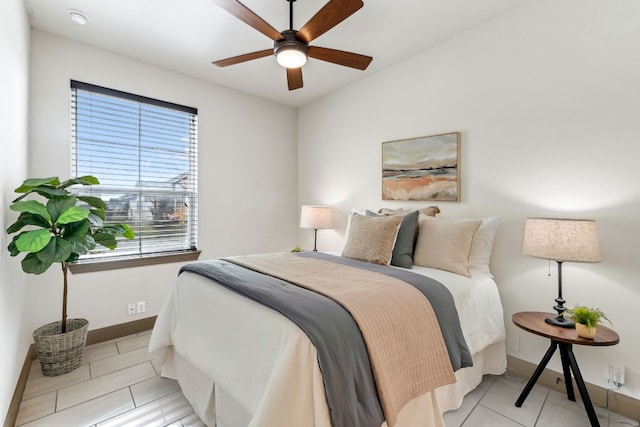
(342, 356)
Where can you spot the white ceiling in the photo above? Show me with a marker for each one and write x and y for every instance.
(187, 35)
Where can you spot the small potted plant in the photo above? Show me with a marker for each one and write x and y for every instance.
(586, 319)
(58, 232)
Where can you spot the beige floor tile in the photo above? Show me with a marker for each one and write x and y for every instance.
(553, 415)
(134, 343)
(616, 420)
(99, 351)
(36, 407)
(145, 333)
(192, 421)
(126, 337)
(153, 389)
(561, 399)
(485, 417)
(120, 361)
(502, 395)
(165, 411)
(35, 370)
(96, 387)
(41, 385)
(457, 417)
(90, 412)
(157, 366)
(487, 381)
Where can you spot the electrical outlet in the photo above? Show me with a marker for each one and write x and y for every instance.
(131, 309)
(141, 306)
(615, 375)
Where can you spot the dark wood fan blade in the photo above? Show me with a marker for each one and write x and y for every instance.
(331, 14)
(340, 57)
(247, 16)
(243, 58)
(294, 78)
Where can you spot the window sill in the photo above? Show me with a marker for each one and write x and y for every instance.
(88, 266)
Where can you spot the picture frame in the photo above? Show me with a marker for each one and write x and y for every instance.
(425, 168)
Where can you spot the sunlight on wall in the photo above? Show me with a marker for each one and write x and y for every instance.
(571, 188)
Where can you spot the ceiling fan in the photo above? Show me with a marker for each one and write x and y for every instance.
(291, 47)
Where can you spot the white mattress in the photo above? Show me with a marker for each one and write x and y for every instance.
(263, 370)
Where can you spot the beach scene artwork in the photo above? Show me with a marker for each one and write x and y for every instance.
(424, 168)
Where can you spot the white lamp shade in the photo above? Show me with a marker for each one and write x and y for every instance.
(315, 217)
(561, 239)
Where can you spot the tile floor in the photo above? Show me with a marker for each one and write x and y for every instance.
(118, 385)
(492, 405)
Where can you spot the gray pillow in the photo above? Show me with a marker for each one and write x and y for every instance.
(402, 255)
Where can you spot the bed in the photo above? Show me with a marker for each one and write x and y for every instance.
(241, 363)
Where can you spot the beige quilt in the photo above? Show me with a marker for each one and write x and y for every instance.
(407, 353)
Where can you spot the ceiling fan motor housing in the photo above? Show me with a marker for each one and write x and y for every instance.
(290, 42)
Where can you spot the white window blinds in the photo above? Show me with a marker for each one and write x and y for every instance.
(144, 153)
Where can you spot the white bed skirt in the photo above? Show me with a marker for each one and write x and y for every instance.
(242, 364)
(216, 408)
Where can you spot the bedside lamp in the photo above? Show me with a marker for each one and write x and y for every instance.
(561, 240)
(315, 217)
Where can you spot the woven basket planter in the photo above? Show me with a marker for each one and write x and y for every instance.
(61, 353)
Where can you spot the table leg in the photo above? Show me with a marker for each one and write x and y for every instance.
(586, 400)
(536, 374)
(564, 356)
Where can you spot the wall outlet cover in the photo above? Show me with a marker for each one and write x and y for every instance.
(615, 375)
(141, 306)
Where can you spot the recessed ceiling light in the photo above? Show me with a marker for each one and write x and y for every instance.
(78, 17)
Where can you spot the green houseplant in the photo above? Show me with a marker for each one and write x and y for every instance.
(586, 318)
(58, 232)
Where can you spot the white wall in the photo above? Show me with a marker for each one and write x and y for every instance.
(547, 99)
(14, 72)
(247, 173)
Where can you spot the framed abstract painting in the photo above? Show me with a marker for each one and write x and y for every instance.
(425, 168)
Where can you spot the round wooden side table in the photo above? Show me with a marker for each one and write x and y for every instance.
(563, 338)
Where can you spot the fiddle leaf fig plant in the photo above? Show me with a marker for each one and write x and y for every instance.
(61, 229)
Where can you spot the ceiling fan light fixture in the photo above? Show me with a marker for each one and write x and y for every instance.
(290, 51)
(291, 57)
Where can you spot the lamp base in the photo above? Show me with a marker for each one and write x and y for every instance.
(560, 321)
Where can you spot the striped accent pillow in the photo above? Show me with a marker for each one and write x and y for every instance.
(371, 239)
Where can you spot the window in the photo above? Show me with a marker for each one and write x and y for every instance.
(144, 153)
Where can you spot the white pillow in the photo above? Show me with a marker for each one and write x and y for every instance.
(445, 244)
(482, 245)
